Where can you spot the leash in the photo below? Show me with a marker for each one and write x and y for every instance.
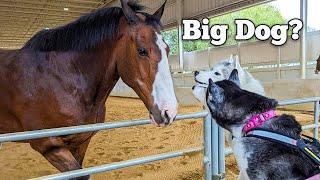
(300, 144)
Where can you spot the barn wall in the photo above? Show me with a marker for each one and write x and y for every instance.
(250, 53)
(278, 89)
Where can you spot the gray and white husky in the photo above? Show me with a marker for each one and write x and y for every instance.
(258, 159)
(221, 71)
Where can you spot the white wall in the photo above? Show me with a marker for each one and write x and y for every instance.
(251, 54)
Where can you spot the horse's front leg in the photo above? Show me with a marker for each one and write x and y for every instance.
(80, 151)
(56, 152)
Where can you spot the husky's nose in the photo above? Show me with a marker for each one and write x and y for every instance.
(196, 73)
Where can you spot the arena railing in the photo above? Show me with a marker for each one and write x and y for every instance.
(214, 142)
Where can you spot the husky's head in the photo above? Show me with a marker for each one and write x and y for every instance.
(230, 106)
(218, 72)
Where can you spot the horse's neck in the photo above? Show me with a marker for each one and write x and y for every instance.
(101, 71)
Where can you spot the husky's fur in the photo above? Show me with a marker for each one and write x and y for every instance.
(221, 71)
(232, 108)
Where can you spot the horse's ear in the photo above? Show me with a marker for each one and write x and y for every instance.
(158, 14)
(128, 12)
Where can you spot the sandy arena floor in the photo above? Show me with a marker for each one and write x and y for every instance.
(19, 161)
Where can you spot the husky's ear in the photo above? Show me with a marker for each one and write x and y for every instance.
(231, 59)
(235, 62)
(234, 77)
(215, 93)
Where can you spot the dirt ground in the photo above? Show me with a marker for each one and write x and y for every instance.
(19, 161)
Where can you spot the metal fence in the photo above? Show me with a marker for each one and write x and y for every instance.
(214, 140)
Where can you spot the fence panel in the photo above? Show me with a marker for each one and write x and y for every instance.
(217, 54)
(197, 60)
(258, 53)
(214, 162)
(313, 46)
(290, 52)
(174, 63)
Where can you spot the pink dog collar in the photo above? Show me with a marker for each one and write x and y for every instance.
(315, 177)
(258, 120)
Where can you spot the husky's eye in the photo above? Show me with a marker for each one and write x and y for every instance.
(217, 74)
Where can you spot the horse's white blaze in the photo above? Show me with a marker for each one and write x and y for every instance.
(163, 91)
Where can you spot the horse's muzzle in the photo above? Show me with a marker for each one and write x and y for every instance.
(163, 117)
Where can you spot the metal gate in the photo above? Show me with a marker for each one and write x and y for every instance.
(213, 146)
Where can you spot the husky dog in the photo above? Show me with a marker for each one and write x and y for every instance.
(221, 71)
(232, 108)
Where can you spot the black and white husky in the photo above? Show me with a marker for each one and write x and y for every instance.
(233, 109)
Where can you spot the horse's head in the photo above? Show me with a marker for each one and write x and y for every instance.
(143, 62)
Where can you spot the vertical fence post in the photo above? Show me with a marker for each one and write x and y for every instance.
(221, 153)
(207, 162)
(303, 37)
(179, 15)
(316, 120)
(215, 149)
(279, 64)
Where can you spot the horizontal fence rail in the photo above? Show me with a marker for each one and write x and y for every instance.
(119, 165)
(299, 101)
(214, 150)
(28, 135)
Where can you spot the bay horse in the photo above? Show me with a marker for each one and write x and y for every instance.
(63, 76)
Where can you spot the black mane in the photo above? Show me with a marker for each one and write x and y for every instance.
(84, 33)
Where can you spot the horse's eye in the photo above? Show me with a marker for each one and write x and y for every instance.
(143, 52)
(217, 74)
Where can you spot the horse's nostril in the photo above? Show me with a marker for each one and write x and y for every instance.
(166, 118)
(196, 73)
(167, 115)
